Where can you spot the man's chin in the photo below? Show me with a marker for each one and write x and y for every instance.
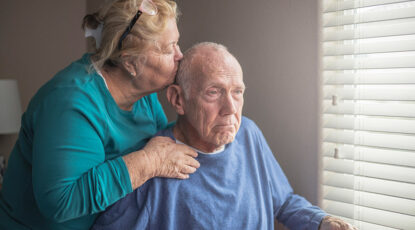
(224, 138)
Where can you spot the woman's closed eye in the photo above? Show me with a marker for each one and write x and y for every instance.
(170, 49)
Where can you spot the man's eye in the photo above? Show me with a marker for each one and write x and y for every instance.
(212, 92)
(238, 92)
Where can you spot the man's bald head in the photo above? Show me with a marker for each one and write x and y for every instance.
(208, 97)
(203, 59)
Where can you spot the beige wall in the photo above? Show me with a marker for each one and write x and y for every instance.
(37, 39)
(276, 42)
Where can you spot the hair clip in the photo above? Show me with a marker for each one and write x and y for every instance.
(95, 33)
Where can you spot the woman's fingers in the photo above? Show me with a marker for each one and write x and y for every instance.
(190, 161)
(188, 169)
(183, 176)
(185, 171)
(188, 151)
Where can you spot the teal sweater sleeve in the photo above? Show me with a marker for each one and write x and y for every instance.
(70, 175)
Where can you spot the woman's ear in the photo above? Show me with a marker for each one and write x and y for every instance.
(176, 98)
(129, 64)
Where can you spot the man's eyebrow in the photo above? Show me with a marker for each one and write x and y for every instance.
(215, 85)
(221, 85)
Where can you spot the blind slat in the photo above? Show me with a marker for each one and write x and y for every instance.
(371, 200)
(367, 154)
(371, 108)
(370, 30)
(392, 141)
(367, 184)
(364, 123)
(380, 171)
(372, 14)
(367, 46)
(371, 92)
(370, 215)
(330, 5)
(387, 61)
(392, 76)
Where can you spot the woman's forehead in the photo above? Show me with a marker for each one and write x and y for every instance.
(170, 34)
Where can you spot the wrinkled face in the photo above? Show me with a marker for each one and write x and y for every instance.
(214, 106)
(158, 65)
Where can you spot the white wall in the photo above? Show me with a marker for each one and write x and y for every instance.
(37, 39)
(276, 43)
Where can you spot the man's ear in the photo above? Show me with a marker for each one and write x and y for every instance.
(176, 98)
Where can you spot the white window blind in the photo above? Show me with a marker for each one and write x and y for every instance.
(368, 112)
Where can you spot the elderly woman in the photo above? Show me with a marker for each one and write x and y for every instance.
(83, 142)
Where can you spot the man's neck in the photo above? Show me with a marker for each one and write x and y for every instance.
(186, 134)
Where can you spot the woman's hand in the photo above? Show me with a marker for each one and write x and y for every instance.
(161, 157)
(170, 159)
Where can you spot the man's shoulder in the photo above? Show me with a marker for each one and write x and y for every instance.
(167, 132)
(248, 125)
(247, 121)
(249, 131)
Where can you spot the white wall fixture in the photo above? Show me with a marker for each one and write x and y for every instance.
(10, 107)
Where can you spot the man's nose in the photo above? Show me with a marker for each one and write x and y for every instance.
(229, 105)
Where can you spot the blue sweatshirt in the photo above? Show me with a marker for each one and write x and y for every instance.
(242, 187)
(66, 165)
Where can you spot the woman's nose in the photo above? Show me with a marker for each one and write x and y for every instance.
(179, 55)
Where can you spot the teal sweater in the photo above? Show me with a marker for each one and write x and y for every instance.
(66, 165)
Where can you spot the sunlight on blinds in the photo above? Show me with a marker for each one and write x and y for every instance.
(368, 112)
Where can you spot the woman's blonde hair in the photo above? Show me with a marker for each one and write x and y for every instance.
(115, 17)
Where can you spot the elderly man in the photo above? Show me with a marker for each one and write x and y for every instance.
(239, 184)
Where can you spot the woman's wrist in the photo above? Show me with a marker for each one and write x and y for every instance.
(140, 168)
